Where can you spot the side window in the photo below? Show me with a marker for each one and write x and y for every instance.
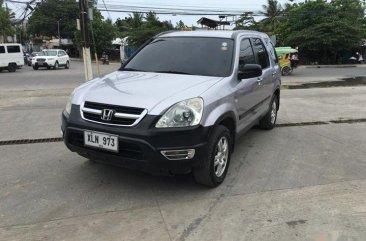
(2, 50)
(63, 53)
(13, 49)
(262, 54)
(246, 55)
(272, 50)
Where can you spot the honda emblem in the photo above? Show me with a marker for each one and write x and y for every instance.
(107, 114)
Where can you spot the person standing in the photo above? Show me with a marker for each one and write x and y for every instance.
(360, 59)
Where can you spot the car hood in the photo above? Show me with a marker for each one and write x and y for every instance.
(44, 57)
(145, 89)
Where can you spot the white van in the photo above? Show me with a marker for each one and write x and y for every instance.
(11, 57)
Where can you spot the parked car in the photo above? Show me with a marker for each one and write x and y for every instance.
(11, 57)
(178, 105)
(51, 58)
(31, 57)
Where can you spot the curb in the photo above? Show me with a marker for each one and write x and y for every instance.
(330, 66)
(93, 61)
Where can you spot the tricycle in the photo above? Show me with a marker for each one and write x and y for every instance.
(288, 59)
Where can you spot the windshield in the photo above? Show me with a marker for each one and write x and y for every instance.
(185, 55)
(48, 53)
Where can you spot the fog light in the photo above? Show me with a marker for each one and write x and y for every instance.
(179, 154)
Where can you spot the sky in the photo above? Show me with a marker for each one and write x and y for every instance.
(238, 5)
(222, 5)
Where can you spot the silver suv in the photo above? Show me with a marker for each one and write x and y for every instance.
(178, 104)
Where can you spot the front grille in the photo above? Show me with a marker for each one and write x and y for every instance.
(126, 149)
(41, 60)
(122, 115)
(117, 108)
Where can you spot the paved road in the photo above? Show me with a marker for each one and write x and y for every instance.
(291, 183)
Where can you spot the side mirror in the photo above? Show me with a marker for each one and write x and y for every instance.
(250, 71)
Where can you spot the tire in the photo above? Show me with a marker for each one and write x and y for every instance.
(48, 67)
(56, 65)
(286, 71)
(208, 173)
(12, 67)
(268, 122)
(35, 67)
(67, 66)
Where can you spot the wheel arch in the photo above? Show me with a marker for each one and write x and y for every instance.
(228, 120)
(277, 93)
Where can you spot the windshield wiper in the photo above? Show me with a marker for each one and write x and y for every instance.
(131, 69)
(172, 72)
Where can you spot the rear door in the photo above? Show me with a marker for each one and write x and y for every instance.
(64, 57)
(266, 81)
(60, 57)
(3, 63)
(247, 90)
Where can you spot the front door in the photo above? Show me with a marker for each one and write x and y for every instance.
(247, 90)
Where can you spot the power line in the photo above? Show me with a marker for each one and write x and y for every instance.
(107, 10)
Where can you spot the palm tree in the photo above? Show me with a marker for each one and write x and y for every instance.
(136, 20)
(272, 12)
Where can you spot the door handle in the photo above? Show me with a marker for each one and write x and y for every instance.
(259, 81)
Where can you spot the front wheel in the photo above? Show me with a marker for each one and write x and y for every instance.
(215, 163)
(268, 122)
(67, 66)
(56, 65)
(35, 67)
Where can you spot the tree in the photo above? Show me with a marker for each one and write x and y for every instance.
(102, 32)
(246, 21)
(139, 28)
(45, 16)
(6, 17)
(322, 29)
(272, 12)
(180, 25)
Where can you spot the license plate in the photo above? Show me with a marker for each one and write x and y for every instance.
(101, 140)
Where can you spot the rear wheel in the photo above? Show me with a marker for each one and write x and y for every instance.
(215, 164)
(286, 70)
(12, 67)
(67, 66)
(268, 122)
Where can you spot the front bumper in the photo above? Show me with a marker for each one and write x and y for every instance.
(43, 63)
(139, 146)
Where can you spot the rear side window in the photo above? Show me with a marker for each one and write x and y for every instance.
(2, 50)
(13, 49)
(246, 55)
(262, 54)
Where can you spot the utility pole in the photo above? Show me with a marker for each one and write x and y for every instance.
(58, 31)
(85, 40)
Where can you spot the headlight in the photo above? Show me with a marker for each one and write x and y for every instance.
(185, 113)
(69, 104)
